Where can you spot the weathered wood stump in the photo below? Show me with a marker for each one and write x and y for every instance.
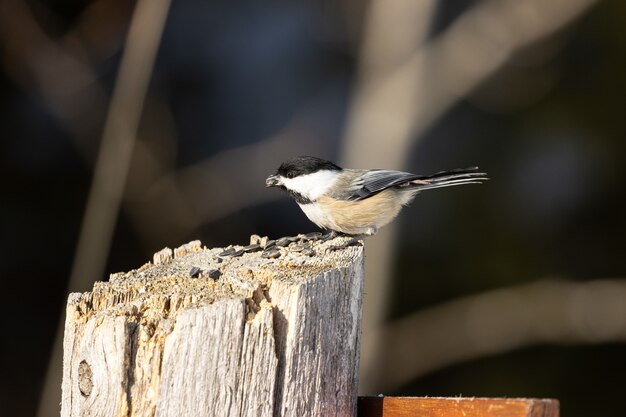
(214, 332)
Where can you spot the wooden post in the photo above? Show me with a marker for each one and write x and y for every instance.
(220, 332)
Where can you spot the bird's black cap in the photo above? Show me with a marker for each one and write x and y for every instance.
(303, 165)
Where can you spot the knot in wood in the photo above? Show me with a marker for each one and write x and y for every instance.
(85, 378)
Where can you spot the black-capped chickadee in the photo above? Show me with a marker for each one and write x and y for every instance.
(357, 202)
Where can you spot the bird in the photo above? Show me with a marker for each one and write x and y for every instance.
(357, 202)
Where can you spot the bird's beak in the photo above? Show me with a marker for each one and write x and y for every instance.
(272, 181)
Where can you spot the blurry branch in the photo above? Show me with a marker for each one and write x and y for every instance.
(111, 168)
(186, 197)
(387, 93)
(378, 124)
(59, 70)
(477, 45)
(118, 139)
(395, 104)
(546, 311)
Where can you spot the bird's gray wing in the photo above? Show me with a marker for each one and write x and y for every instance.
(363, 184)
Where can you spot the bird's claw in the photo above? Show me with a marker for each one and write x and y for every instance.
(352, 242)
(329, 236)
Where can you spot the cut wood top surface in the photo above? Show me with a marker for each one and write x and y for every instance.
(192, 274)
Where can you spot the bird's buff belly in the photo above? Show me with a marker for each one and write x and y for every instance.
(362, 217)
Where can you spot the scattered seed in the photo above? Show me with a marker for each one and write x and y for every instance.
(269, 244)
(215, 273)
(228, 252)
(298, 247)
(252, 248)
(308, 252)
(218, 259)
(271, 253)
(238, 253)
(283, 241)
(195, 272)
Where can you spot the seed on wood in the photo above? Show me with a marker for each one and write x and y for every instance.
(271, 253)
(298, 247)
(195, 272)
(215, 273)
(269, 244)
(252, 248)
(228, 252)
(238, 253)
(283, 241)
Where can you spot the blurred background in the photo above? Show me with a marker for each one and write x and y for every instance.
(127, 127)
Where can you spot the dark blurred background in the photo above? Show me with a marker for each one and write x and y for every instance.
(513, 288)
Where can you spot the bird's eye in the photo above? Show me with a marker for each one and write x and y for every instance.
(290, 175)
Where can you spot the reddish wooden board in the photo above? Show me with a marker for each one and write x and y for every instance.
(456, 407)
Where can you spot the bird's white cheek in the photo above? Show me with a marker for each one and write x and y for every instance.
(312, 186)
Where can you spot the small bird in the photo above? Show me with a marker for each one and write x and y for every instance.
(357, 202)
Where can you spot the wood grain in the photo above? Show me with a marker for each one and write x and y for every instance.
(456, 407)
(268, 337)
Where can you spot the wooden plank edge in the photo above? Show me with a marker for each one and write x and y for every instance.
(456, 406)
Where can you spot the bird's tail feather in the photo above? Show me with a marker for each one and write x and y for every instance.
(450, 178)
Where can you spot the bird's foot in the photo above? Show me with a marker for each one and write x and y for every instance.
(329, 236)
(354, 241)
